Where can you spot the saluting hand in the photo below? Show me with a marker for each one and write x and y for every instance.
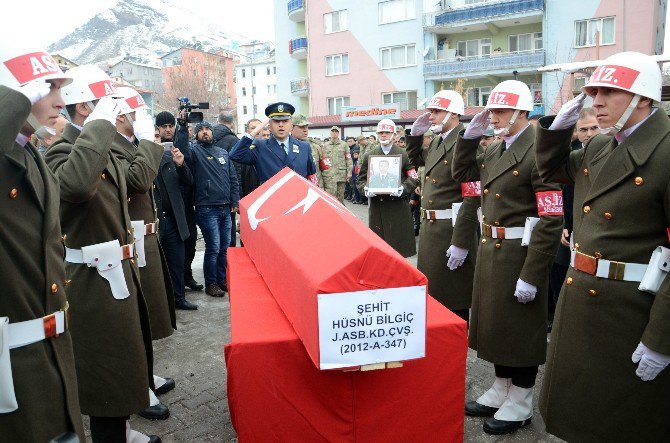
(569, 113)
(259, 128)
(177, 157)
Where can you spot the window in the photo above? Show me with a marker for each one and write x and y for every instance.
(255, 109)
(525, 42)
(253, 90)
(478, 96)
(244, 109)
(585, 31)
(274, 69)
(474, 48)
(335, 21)
(244, 92)
(536, 93)
(253, 72)
(268, 89)
(406, 99)
(578, 84)
(268, 70)
(274, 88)
(397, 56)
(244, 74)
(396, 11)
(335, 104)
(337, 64)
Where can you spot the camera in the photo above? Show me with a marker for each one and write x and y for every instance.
(192, 116)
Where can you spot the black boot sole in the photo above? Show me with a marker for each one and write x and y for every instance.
(501, 427)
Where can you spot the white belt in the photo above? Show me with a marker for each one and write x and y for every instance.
(150, 228)
(613, 270)
(502, 233)
(27, 332)
(76, 255)
(436, 214)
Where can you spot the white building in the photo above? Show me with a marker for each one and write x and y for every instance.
(255, 82)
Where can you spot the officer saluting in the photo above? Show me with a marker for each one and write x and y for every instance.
(607, 376)
(280, 150)
(38, 388)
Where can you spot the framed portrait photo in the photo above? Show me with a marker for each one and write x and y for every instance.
(384, 173)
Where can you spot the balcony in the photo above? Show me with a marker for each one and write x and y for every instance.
(297, 48)
(499, 13)
(296, 10)
(480, 66)
(300, 87)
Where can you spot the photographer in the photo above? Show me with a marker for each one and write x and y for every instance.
(216, 196)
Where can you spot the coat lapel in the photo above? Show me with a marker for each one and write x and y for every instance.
(513, 155)
(274, 147)
(291, 152)
(439, 148)
(31, 175)
(619, 162)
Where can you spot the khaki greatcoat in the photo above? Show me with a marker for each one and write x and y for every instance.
(590, 390)
(112, 338)
(33, 280)
(140, 165)
(390, 217)
(502, 330)
(451, 288)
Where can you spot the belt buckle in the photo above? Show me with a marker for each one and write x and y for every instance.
(616, 270)
(127, 251)
(49, 322)
(500, 233)
(586, 263)
(487, 230)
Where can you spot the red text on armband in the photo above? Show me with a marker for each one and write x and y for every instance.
(471, 189)
(549, 203)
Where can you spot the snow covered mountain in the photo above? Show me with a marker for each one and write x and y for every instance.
(145, 30)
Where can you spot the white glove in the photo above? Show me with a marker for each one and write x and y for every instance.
(477, 125)
(651, 362)
(106, 109)
(35, 90)
(456, 257)
(569, 113)
(368, 193)
(143, 126)
(421, 125)
(398, 192)
(524, 292)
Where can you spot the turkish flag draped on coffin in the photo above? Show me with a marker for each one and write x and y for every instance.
(304, 243)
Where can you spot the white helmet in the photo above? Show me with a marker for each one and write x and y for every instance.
(629, 71)
(20, 65)
(510, 94)
(90, 83)
(129, 100)
(386, 125)
(447, 100)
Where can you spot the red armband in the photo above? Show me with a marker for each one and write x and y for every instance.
(549, 203)
(347, 156)
(471, 189)
(668, 234)
(313, 178)
(411, 173)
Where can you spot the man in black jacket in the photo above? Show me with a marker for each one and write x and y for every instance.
(172, 226)
(224, 137)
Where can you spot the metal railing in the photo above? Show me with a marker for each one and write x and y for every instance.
(481, 11)
(299, 86)
(296, 44)
(492, 62)
(294, 5)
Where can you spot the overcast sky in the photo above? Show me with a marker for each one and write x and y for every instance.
(43, 22)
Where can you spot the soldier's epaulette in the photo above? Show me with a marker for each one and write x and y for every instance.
(252, 146)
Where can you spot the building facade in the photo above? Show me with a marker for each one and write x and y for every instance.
(255, 81)
(137, 74)
(200, 76)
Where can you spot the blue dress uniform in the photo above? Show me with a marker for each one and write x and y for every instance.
(269, 157)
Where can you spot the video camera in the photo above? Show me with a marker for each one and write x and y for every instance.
(191, 116)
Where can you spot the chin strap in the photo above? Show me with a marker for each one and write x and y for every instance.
(438, 129)
(33, 123)
(623, 119)
(386, 143)
(504, 131)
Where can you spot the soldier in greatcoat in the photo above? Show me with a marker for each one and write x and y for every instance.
(301, 132)
(109, 320)
(606, 377)
(508, 325)
(140, 159)
(38, 384)
(447, 251)
(338, 157)
(389, 215)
